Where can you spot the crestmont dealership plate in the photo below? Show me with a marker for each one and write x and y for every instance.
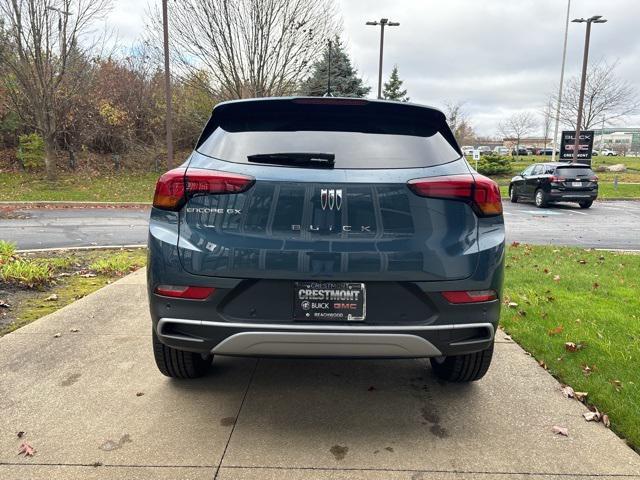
(329, 301)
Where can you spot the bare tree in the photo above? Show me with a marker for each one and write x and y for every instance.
(458, 121)
(517, 126)
(548, 116)
(606, 95)
(41, 39)
(248, 48)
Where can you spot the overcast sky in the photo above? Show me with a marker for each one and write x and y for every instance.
(498, 56)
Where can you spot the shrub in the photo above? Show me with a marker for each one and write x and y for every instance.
(31, 150)
(493, 164)
(7, 250)
(115, 265)
(22, 272)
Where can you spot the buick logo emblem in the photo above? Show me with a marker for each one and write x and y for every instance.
(331, 199)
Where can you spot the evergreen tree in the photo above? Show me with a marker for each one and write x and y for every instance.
(391, 90)
(344, 78)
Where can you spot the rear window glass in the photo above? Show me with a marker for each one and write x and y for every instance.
(360, 134)
(574, 172)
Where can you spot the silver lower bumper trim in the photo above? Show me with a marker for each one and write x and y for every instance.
(309, 344)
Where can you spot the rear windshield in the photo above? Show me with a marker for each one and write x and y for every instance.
(575, 172)
(359, 133)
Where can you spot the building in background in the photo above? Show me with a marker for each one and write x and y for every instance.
(622, 140)
(527, 142)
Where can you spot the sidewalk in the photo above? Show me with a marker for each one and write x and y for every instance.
(94, 407)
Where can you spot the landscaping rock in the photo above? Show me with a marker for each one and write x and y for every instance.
(618, 167)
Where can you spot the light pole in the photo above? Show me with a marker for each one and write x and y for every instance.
(585, 60)
(328, 94)
(167, 86)
(383, 22)
(564, 57)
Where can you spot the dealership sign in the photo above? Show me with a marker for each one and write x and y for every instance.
(585, 145)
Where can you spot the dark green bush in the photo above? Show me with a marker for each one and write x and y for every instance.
(494, 164)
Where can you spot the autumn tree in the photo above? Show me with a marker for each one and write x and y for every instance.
(518, 126)
(345, 81)
(40, 39)
(247, 48)
(393, 88)
(458, 121)
(606, 96)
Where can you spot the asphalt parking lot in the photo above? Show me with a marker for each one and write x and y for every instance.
(94, 406)
(608, 224)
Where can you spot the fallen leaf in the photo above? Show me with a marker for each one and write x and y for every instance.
(515, 244)
(560, 430)
(20, 434)
(568, 392)
(89, 275)
(74, 330)
(556, 330)
(570, 347)
(139, 394)
(556, 278)
(4, 304)
(26, 449)
(586, 369)
(582, 262)
(596, 285)
(580, 396)
(542, 364)
(512, 305)
(546, 270)
(57, 335)
(51, 298)
(591, 416)
(522, 313)
(605, 420)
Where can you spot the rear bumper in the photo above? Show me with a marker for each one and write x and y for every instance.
(572, 195)
(310, 340)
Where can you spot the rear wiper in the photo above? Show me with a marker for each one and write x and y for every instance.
(299, 159)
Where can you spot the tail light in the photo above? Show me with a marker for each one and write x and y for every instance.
(177, 185)
(181, 291)
(556, 179)
(593, 179)
(470, 296)
(480, 192)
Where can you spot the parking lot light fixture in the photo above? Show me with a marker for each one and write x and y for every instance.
(585, 60)
(384, 22)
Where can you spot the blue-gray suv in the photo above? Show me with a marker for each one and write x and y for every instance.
(326, 227)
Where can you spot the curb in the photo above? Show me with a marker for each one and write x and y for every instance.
(91, 247)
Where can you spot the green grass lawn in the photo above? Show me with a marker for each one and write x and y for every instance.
(123, 187)
(589, 298)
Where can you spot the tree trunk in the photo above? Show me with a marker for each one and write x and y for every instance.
(50, 157)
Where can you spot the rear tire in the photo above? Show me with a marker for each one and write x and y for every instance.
(178, 363)
(512, 195)
(541, 199)
(585, 204)
(463, 368)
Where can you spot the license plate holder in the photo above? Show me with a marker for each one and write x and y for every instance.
(329, 301)
(576, 184)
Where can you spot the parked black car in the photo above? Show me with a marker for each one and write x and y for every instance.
(544, 183)
(523, 152)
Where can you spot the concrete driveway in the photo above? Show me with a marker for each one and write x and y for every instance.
(94, 407)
